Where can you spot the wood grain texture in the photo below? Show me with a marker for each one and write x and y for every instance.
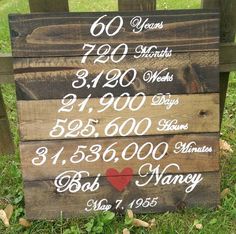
(227, 62)
(6, 142)
(228, 20)
(227, 57)
(137, 5)
(51, 78)
(6, 69)
(38, 38)
(227, 34)
(49, 5)
(210, 4)
(42, 201)
(200, 111)
(188, 162)
(196, 71)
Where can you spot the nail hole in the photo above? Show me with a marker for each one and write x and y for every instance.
(203, 113)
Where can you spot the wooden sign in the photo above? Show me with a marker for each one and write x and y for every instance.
(117, 111)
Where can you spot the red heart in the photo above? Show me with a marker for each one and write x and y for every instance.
(119, 180)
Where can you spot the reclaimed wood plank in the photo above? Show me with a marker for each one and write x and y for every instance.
(49, 5)
(137, 5)
(6, 63)
(44, 202)
(42, 198)
(197, 113)
(6, 69)
(227, 57)
(227, 34)
(6, 142)
(227, 62)
(51, 78)
(38, 37)
(191, 158)
(2, 106)
(210, 4)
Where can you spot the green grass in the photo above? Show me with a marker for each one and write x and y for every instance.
(222, 220)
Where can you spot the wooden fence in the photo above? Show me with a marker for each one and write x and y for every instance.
(227, 49)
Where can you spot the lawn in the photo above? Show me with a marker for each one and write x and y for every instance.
(221, 220)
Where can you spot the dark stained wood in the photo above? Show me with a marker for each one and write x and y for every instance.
(200, 111)
(49, 5)
(6, 142)
(227, 57)
(223, 91)
(38, 37)
(227, 34)
(210, 4)
(188, 162)
(228, 19)
(51, 78)
(227, 62)
(6, 69)
(137, 5)
(42, 201)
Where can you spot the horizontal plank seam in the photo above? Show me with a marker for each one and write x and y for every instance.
(157, 135)
(93, 98)
(92, 55)
(173, 94)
